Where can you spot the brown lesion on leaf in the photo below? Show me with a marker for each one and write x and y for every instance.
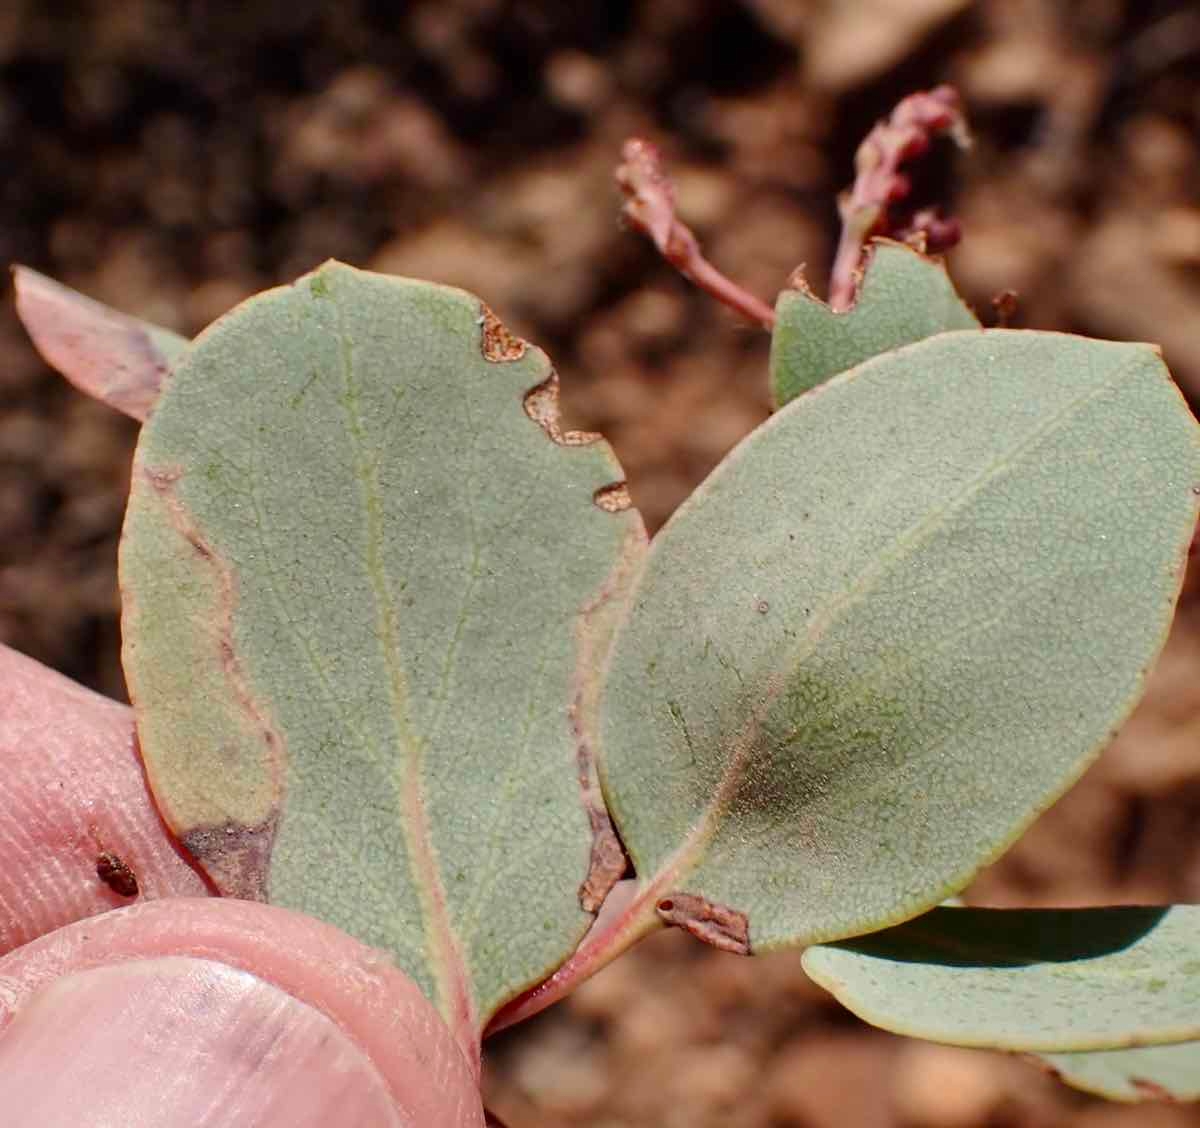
(715, 924)
(542, 406)
(496, 342)
(235, 856)
(608, 862)
(596, 624)
(613, 498)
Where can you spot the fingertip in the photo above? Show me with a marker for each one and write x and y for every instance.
(79, 832)
(295, 959)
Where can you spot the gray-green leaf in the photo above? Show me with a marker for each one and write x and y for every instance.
(1146, 1073)
(1025, 979)
(905, 297)
(367, 580)
(895, 624)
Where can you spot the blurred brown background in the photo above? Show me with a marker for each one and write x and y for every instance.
(171, 157)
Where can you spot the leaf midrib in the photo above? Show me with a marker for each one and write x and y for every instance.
(455, 998)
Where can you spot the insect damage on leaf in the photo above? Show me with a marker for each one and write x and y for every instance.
(237, 858)
(234, 851)
(497, 343)
(718, 925)
(113, 871)
(541, 405)
(613, 498)
(595, 625)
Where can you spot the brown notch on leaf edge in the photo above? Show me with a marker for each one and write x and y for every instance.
(717, 925)
(496, 342)
(542, 406)
(608, 861)
(613, 498)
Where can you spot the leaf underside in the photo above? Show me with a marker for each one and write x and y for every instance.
(905, 297)
(895, 624)
(1025, 979)
(365, 572)
(1146, 1073)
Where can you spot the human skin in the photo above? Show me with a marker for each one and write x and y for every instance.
(172, 1006)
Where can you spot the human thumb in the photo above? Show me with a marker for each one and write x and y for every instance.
(188, 1012)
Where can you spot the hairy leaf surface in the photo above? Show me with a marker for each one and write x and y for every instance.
(905, 297)
(891, 627)
(1025, 979)
(365, 575)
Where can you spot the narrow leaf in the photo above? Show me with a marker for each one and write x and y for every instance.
(107, 355)
(1025, 979)
(905, 297)
(367, 576)
(1167, 1073)
(895, 624)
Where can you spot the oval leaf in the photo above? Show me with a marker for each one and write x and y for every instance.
(892, 626)
(1025, 979)
(367, 576)
(109, 356)
(905, 297)
(1166, 1073)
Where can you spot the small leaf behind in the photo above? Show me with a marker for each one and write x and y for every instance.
(905, 297)
(109, 356)
(1025, 979)
(895, 624)
(365, 577)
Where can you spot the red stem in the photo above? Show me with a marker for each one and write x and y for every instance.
(650, 209)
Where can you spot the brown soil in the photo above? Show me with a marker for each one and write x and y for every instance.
(171, 157)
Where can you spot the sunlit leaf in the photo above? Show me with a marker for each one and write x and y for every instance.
(895, 624)
(1025, 979)
(368, 579)
(905, 297)
(1147, 1073)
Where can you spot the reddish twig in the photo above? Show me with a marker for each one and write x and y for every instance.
(879, 183)
(650, 208)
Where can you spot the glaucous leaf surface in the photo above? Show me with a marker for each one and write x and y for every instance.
(365, 575)
(1146, 1073)
(110, 356)
(1025, 979)
(894, 625)
(905, 297)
